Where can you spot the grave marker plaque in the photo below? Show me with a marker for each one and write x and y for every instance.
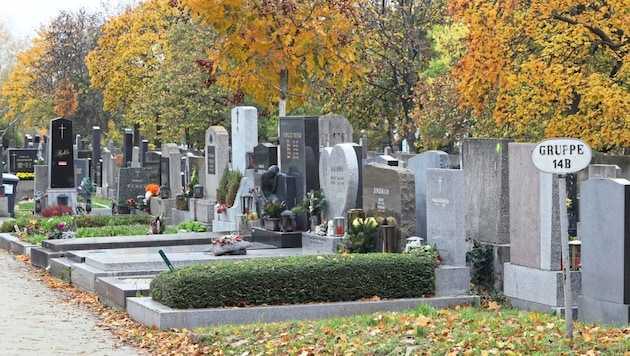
(22, 160)
(132, 182)
(153, 166)
(61, 154)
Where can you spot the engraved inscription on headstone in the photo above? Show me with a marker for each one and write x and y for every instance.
(61, 154)
(210, 156)
(22, 159)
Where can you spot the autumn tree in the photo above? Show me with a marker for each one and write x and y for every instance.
(397, 50)
(270, 49)
(148, 64)
(548, 69)
(57, 56)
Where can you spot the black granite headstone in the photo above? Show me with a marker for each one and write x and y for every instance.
(152, 163)
(21, 159)
(61, 168)
(265, 155)
(164, 171)
(144, 148)
(96, 150)
(299, 150)
(98, 177)
(128, 149)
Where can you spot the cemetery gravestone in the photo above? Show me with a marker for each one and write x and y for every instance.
(390, 191)
(217, 158)
(152, 165)
(324, 163)
(604, 254)
(132, 183)
(419, 164)
(96, 153)
(334, 129)
(342, 175)
(81, 170)
(446, 228)
(485, 162)
(244, 135)
(265, 156)
(22, 159)
(299, 150)
(128, 148)
(61, 154)
(170, 151)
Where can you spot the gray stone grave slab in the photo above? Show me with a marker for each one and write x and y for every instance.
(324, 163)
(419, 164)
(334, 129)
(217, 158)
(132, 182)
(485, 162)
(342, 175)
(605, 236)
(385, 160)
(151, 313)
(602, 171)
(244, 135)
(390, 191)
(135, 157)
(446, 214)
(534, 212)
(81, 170)
(299, 150)
(171, 152)
(320, 244)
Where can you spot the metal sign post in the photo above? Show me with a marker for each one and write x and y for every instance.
(561, 156)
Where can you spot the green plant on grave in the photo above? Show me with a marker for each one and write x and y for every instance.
(192, 226)
(273, 208)
(361, 236)
(194, 180)
(313, 203)
(228, 187)
(481, 260)
(429, 251)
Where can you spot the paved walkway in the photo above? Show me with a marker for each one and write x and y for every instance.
(33, 321)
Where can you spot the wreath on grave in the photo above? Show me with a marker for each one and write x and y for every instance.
(231, 244)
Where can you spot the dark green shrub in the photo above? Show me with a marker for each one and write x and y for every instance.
(234, 182)
(223, 183)
(298, 279)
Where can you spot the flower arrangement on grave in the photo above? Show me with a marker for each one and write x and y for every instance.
(361, 236)
(150, 191)
(25, 175)
(61, 231)
(86, 186)
(131, 203)
(231, 244)
(249, 216)
(273, 208)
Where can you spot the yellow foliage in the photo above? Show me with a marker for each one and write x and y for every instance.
(303, 38)
(548, 69)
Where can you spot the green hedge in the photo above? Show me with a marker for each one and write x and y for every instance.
(298, 279)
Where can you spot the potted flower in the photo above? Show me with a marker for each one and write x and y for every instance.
(314, 204)
(271, 214)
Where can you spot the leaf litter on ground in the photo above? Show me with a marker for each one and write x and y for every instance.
(486, 329)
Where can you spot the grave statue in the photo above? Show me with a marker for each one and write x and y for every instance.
(268, 183)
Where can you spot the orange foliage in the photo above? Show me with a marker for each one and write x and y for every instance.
(66, 98)
(548, 69)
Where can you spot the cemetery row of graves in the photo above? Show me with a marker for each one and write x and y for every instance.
(320, 190)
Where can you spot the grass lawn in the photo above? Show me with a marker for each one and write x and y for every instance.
(489, 330)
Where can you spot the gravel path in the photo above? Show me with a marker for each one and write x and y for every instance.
(33, 321)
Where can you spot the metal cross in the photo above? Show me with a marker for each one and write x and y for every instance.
(61, 129)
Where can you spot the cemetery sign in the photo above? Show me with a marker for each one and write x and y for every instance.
(561, 155)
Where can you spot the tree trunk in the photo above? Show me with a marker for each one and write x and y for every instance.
(284, 89)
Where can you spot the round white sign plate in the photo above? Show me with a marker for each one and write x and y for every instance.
(561, 155)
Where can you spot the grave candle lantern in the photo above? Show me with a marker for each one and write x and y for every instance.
(246, 203)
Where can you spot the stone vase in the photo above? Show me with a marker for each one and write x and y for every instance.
(272, 224)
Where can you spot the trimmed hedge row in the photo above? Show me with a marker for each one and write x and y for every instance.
(297, 279)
